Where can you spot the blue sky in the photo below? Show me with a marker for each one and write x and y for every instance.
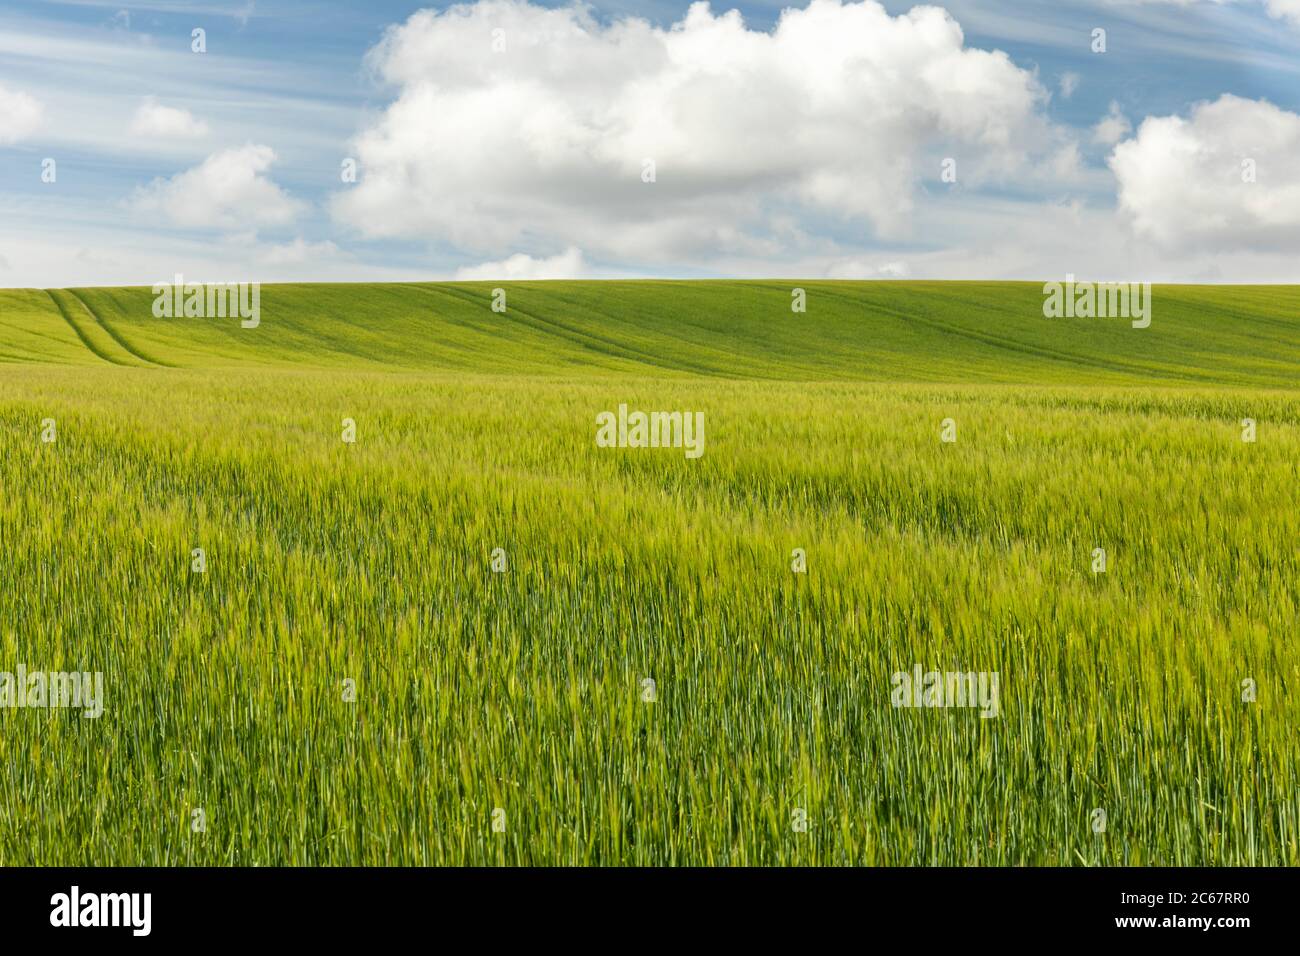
(226, 164)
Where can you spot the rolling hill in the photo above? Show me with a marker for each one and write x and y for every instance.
(951, 332)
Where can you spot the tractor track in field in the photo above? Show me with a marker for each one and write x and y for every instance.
(602, 345)
(97, 335)
(1002, 342)
(117, 336)
(80, 333)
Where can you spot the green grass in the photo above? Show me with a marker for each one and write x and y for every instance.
(522, 690)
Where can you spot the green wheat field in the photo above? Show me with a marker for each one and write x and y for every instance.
(525, 691)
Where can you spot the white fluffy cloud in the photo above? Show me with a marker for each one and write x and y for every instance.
(228, 190)
(1285, 9)
(1183, 181)
(1112, 127)
(154, 120)
(565, 265)
(829, 121)
(20, 115)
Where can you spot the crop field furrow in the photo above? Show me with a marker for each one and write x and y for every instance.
(584, 339)
(115, 336)
(1066, 359)
(93, 335)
